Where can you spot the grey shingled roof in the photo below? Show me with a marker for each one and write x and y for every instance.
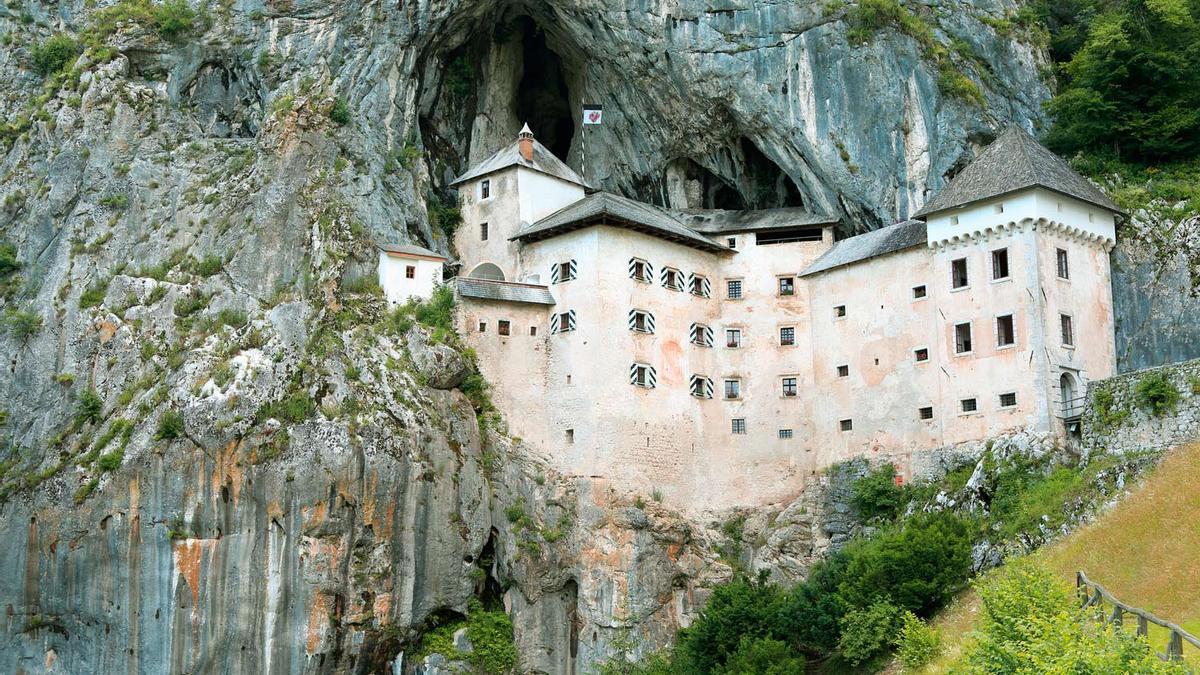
(409, 249)
(1014, 161)
(610, 209)
(543, 161)
(506, 291)
(718, 221)
(873, 244)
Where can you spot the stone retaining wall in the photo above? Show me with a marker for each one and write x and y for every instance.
(1117, 419)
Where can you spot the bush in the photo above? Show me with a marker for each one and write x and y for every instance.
(743, 608)
(763, 656)
(296, 407)
(1108, 416)
(876, 494)
(8, 258)
(340, 114)
(94, 294)
(491, 636)
(111, 461)
(90, 406)
(22, 324)
(190, 304)
(173, 18)
(813, 610)
(209, 266)
(170, 426)
(866, 633)
(54, 54)
(1156, 393)
(917, 643)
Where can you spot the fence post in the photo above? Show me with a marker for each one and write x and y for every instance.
(1117, 616)
(1175, 647)
(1143, 628)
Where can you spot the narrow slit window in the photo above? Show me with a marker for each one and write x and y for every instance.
(1062, 263)
(1068, 330)
(1005, 335)
(958, 273)
(483, 232)
(1000, 264)
(485, 189)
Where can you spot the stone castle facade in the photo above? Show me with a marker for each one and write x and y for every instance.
(724, 358)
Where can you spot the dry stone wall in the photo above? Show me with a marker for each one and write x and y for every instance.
(1120, 418)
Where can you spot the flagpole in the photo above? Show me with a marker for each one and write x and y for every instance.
(582, 141)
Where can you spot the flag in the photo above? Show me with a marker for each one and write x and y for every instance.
(592, 114)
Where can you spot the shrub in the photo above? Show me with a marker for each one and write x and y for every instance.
(443, 215)
(813, 609)
(866, 633)
(8, 258)
(56, 53)
(743, 608)
(1104, 404)
(876, 494)
(22, 324)
(763, 656)
(170, 426)
(90, 406)
(209, 266)
(1156, 393)
(491, 636)
(340, 114)
(295, 407)
(111, 461)
(917, 643)
(94, 294)
(190, 304)
(438, 311)
(117, 202)
(173, 18)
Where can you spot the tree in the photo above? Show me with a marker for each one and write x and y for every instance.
(743, 608)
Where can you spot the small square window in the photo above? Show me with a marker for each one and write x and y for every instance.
(843, 371)
(731, 242)
(410, 272)
(839, 311)
(787, 286)
(1068, 331)
(485, 189)
(1000, 263)
(953, 220)
(533, 331)
(921, 354)
(958, 273)
(789, 386)
(739, 426)
(672, 279)
(699, 286)
(483, 231)
(925, 413)
(570, 436)
(1062, 263)
(918, 292)
(969, 405)
(733, 338)
(639, 270)
(846, 425)
(482, 326)
(998, 208)
(734, 289)
(1008, 400)
(503, 327)
(701, 387)
(565, 272)
(733, 389)
(962, 339)
(1005, 335)
(785, 434)
(787, 336)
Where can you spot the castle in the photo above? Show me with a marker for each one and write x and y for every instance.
(725, 357)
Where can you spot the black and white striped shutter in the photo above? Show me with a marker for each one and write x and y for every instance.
(570, 319)
(554, 323)
(706, 287)
(651, 375)
(662, 278)
(701, 335)
(571, 269)
(556, 272)
(705, 383)
(554, 269)
(633, 320)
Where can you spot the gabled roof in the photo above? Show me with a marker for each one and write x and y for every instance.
(719, 221)
(606, 208)
(543, 161)
(898, 237)
(507, 291)
(410, 250)
(1014, 161)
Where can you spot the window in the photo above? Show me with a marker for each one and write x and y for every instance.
(787, 336)
(483, 232)
(733, 388)
(503, 327)
(733, 289)
(410, 272)
(921, 354)
(672, 279)
(839, 311)
(701, 386)
(925, 413)
(962, 338)
(787, 286)
(1063, 265)
(570, 436)
(918, 292)
(1068, 332)
(846, 425)
(561, 323)
(642, 375)
(1005, 336)
(1008, 400)
(731, 242)
(953, 220)
(739, 426)
(843, 371)
(958, 273)
(969, 405)
(699, 286)
(482, 326)
(533, 331)
(641, 321)
(640, 270)
(485, 189)
(733, 337)
(789, 386)
(785, 434)
(1091, 217)
(1000, 263)
(998, 208)
(701, 335)
(561, 272)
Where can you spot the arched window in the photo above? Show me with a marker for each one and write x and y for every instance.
(487, 271)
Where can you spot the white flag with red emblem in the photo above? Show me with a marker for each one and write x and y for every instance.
(592, 114)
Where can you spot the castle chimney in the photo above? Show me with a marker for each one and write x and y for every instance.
(525, 143)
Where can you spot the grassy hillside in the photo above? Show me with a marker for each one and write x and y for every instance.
(1146, 551)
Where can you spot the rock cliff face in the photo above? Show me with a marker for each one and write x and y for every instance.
(219, 456)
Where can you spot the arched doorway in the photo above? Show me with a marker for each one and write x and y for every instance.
(1068, 389)
(488, 271)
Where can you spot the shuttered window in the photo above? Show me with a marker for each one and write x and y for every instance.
(560, 272)
(701, 335)
(701, 386)
(672, 279)
(643, 375)
(641, 321)
(699, 286)
(562, 322)
(640, 270)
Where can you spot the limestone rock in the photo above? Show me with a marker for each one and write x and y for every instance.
(442, 366)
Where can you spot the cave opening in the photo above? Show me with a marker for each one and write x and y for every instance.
(767, 185)
(542, 98)
(738, 177)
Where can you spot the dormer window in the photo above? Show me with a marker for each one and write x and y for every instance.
(485, 189)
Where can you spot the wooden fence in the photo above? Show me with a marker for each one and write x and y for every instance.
(1095, 595)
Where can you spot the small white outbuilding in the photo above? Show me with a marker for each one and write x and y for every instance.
(407, 271)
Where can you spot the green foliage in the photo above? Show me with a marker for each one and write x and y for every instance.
(89, 407)
(8, 258)
(743, 608)
(170, 426)
(763, 656)
(493, 649)
(1107, 414)
(917, 643)
(340, 113)
(876, 494)
(209, 266)
(190, 304)
(1156, 393)
(55, 54)
(94, 294)
(1131, 81)
(444, 216)
(111, 461)
(867, 633)
(1032, 624)
(171, 19)
(1025, 499)
(22, 324)
(296, 407)
(117, 202)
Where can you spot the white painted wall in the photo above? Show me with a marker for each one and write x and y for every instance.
(540, 195)
(981, 218)
(397, 287)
